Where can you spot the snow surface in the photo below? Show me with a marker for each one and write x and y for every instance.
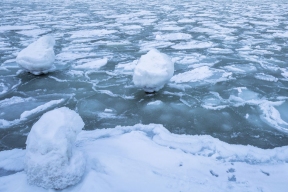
(150, 158)
(51, 161)
(153, 71)
(38, 57)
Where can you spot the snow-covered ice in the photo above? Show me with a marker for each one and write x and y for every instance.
(92, 64)
(150, 158)
(38, 57)
(153, 71)
(51, 160)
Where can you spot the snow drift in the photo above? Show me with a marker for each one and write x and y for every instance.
(51, 160)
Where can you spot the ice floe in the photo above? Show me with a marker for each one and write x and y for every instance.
(38, 57)
(266, 77)
(96, 64)
(192, 45)
(202, 74)
(153, 71)
(92, 33)
(173, 36)
(16, 110)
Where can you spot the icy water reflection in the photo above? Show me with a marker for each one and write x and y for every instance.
(230, 79)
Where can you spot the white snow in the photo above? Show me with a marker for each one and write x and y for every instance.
(33, 32)
(220, 51)
(153, 71)
(158, 102)
(51, 161)
(266, 77)
(12, 160)
(16, 27)
(147, 46)
(96, 64)
(40, 108)
(38, 57)
(194, 75)
(91, 33)
(126, 68)
(192, 45)
(173, 36)
(284, 72)
(150, 158)
(272, 116)
(203, 74)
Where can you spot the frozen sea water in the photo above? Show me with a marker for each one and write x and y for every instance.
(230, 78)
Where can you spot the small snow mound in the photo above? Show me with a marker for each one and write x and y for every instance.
(153, 71)
(38, 57)
(51, 160)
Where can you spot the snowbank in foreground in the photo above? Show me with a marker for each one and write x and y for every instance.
(150, 158)
(153, 71)
(38, 57)
(51, 160)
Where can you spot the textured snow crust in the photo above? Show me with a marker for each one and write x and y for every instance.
(52, 162)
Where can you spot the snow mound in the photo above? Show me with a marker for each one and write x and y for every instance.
(153, 71)
(51, 160)
(38, 57)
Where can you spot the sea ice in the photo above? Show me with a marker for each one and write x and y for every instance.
(51, 160)
(38, 57)
(194, 75)
(272, 116)
(96, 64)
(153, 71)
(192, 45)
(126, 68)
(265, 77)
(173, 36)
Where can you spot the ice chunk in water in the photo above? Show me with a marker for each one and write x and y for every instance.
(153, 71)
(96, 64)
(51, 160)
(38, 57)
(272, 116)
(194, 75)
(173, 36)
(266, 77)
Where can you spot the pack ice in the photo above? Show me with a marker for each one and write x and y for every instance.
(153, 71)
(38, 57)
(51, 160)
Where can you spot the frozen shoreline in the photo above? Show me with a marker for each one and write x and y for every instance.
(150, 158)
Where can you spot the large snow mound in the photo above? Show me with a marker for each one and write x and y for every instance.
(153, 71)
(38, 57)
(51, 160)
(150, 158)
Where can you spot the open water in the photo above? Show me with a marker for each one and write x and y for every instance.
(231, 70)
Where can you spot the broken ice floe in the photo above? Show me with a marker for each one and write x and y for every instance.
(38, 57)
